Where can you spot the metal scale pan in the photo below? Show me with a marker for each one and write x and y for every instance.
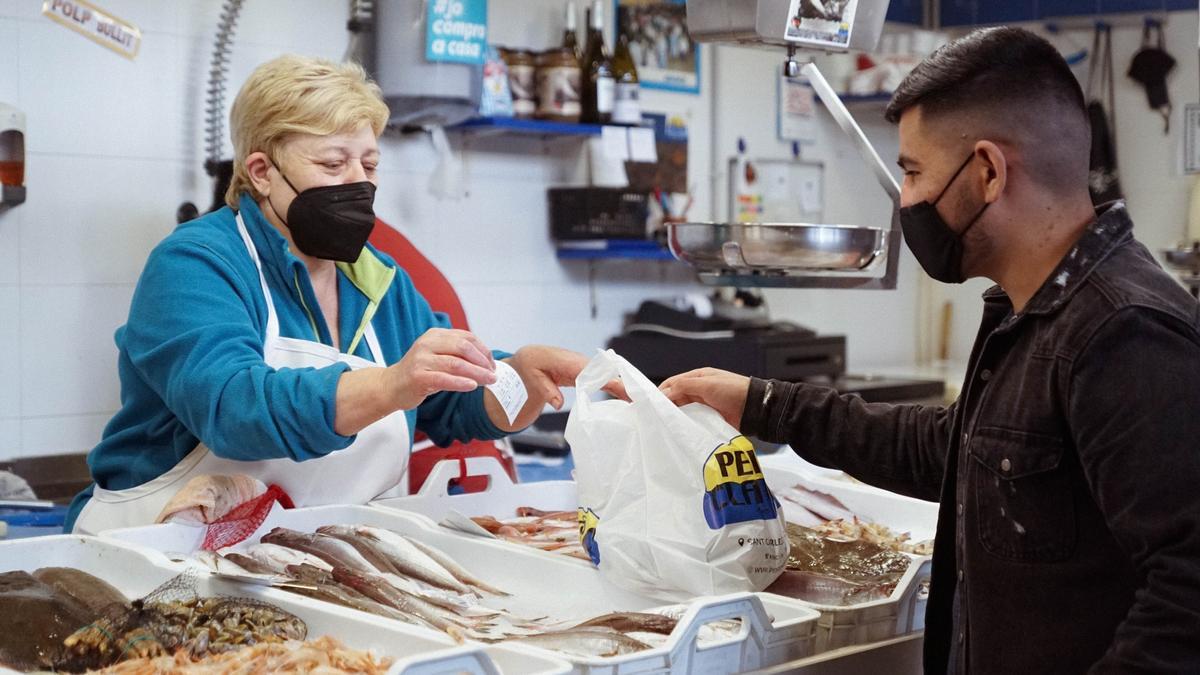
(792, 255)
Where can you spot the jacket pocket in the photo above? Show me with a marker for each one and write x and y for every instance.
(1024, 503)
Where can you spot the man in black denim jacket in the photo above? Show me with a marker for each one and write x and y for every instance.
(1068, 471)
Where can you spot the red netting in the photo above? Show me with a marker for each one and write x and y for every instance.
(241, 521)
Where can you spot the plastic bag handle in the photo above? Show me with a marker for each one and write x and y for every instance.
(603, 368)
(473, 661)
(683, 645)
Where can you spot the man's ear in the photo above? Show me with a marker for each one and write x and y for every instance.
(993, 170)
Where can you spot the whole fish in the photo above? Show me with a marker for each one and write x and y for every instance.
(279, 557)
(92, 592)
(330, 549)
(451, 600)
(327, 589)
(794, 513)
(247, 563)
(488, 523)
(380, 591)
(820, 503)
(34, 620)
(587, 642)
(454, 568)
(529, 511)
(412, 561)
(633, 622)
(220, 564)
(365, 547)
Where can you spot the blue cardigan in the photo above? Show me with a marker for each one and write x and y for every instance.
(191, 355)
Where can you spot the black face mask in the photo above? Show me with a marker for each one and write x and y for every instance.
(936, 246)
(331, 222)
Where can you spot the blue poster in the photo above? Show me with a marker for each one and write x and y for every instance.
(456, 31)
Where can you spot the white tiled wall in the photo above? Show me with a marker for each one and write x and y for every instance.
(115, 145)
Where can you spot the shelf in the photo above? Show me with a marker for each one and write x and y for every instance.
(602, 249)
(526, 127)
(863, 99)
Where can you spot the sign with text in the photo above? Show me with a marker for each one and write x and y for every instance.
(96, 24)
(456, 31)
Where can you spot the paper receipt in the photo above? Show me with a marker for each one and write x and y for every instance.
(509, 390)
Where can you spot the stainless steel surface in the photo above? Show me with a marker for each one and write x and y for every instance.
(764, 22)
(1184, 258)
(846, 121)
(799, 255)
(785, 255)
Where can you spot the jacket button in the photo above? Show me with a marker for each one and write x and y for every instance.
(960, 575)
(1005, 465)
(960, 508)
(985, 375)
(961, 636)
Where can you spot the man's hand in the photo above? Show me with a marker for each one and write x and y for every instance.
(720, 390)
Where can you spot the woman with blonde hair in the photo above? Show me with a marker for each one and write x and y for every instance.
(268, 340)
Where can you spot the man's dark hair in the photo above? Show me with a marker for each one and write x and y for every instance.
(1005, 84)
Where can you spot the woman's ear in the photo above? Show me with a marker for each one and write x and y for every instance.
(258, 166)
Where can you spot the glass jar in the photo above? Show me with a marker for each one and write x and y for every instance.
(522, 80)
(558, 80)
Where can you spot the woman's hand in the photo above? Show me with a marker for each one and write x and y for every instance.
(720, 390)
(544, 370)
(440, 360)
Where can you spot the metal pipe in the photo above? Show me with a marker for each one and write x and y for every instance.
(846, 121)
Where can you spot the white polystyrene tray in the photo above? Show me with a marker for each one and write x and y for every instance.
(501, 499)
(774, 629)
(136, 571)
(902, 612)
(899, 513)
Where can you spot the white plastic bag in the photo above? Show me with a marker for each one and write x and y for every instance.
(672, 502)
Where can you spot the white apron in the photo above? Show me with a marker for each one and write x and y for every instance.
(371, 466)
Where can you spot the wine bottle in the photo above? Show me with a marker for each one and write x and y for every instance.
(598, 83)
(627, 104)
(570, 39)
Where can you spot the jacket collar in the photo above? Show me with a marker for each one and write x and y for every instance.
(1111, 228)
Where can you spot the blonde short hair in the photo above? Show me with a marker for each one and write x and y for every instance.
(295, 94)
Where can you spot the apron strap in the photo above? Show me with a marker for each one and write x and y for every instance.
(272, 335)
(273, 318)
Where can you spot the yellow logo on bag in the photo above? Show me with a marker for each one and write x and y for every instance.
(588, 522)
(735, 489)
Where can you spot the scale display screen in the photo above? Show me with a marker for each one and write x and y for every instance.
(820, 23)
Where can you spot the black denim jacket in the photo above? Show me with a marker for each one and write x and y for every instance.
(1068, 471)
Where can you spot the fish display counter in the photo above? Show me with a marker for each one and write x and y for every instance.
(861, 556)
(73, 603)
(402, 569)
